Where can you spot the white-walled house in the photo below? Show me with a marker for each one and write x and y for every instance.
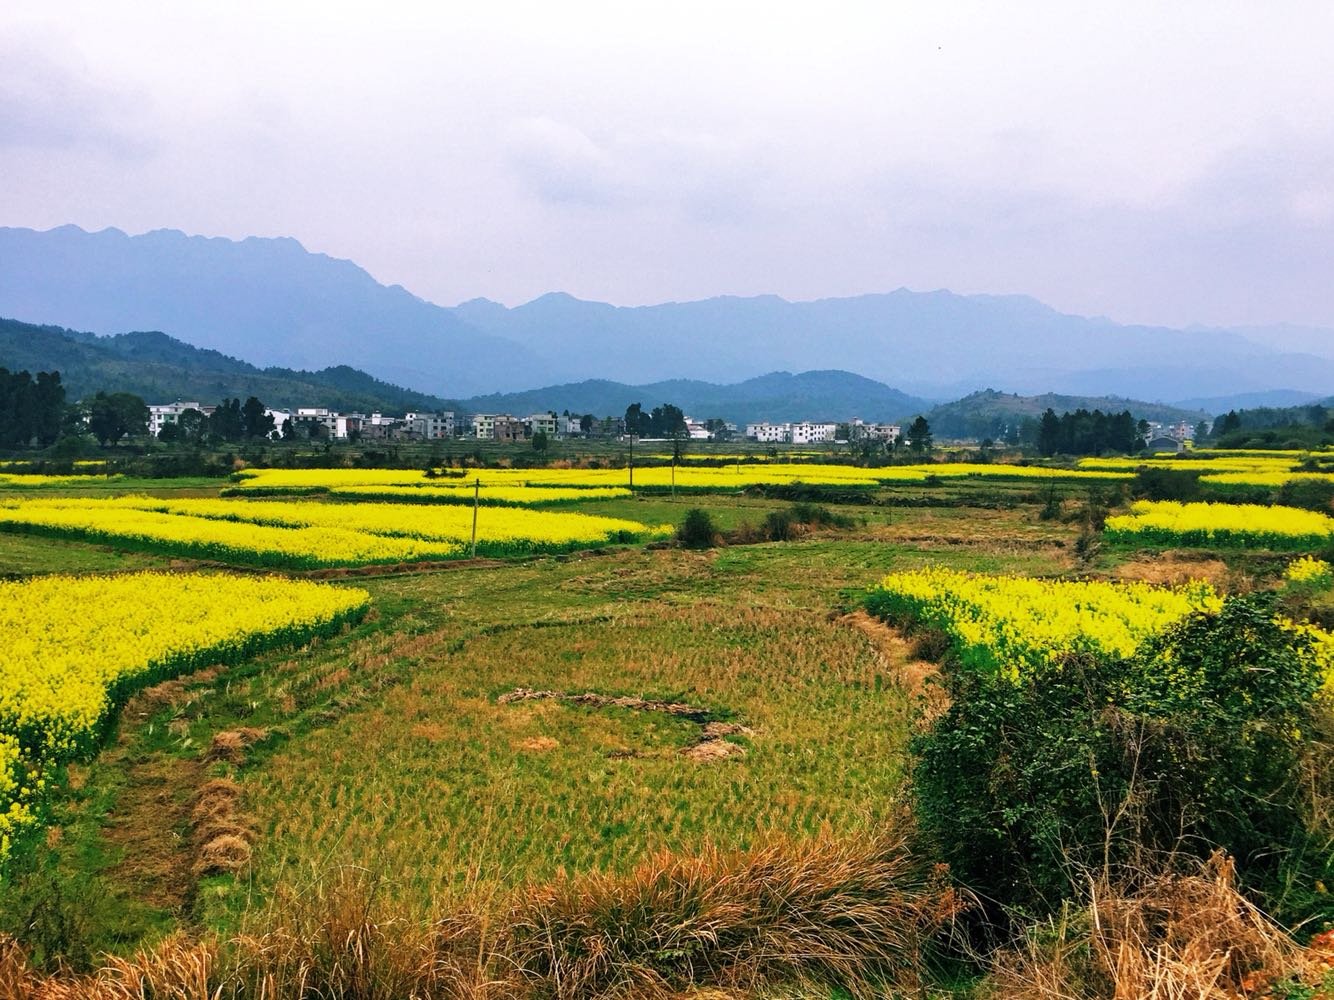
(767, 433)
(809, 432)
(162, 414)
(800, 432)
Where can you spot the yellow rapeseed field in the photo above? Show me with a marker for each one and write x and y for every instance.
(1242, 525)
(1008, 624)
(305, 534)
(75, 646)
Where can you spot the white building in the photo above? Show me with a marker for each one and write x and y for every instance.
(861, 431)
(484, 425)
(801, 432)
(570, 426)
(767, 433)
(808, 432)
(339, 426)
(161, 414)
(279, 418)
(431, 426)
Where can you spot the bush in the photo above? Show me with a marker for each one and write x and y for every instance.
(780, 526)
(820, 517)
(1312, 494)
(697, 531)
(1167, 484)
(1106, 767)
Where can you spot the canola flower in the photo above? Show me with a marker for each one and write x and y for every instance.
(1241, 525)
(297, 547)
(393, 483)
(1310, 572)
(74, 647)
(306, 534)
(1010, 625)
(489, 494)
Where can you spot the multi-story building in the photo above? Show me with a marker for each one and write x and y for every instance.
(809, 432)
(484, 425)
(507, 429)
(543, 423)
(861, 431)
(339, 426)
(161, 414)
(767, 433)
(431, 426)
(801, 432)
(570, 426)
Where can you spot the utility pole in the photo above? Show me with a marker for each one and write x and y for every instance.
(632, 463)
(476, 499)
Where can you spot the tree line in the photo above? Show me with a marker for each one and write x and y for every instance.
(34, 412)
(1090, 433)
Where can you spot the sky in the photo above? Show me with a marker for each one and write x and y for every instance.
(1160, 163)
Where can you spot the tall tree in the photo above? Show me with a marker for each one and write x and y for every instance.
(112, 416)
(255, 419)
(919, 436)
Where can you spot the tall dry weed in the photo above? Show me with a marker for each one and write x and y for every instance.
(823, 912)
(1179, 936)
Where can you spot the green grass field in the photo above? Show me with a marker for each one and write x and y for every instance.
(391, 748)
(388, 748)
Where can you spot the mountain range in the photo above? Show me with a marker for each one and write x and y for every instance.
(162, 369)
(274, 303)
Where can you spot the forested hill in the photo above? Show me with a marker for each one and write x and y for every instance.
(160, 368)
(815, 395)
(989, 413)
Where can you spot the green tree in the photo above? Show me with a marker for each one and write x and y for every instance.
(226, 422)
(255, 419)
(919, 436)
(1049, 433)
(637, 422)
(540, 442)
(112, 416)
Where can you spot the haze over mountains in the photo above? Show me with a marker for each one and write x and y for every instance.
(273, 303)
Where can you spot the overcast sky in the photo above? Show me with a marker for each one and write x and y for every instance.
(1155, 162)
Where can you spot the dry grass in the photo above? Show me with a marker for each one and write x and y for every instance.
(230, 745)
(918, 677)
(820, 912)
(1180, 937)
(823, 911)
(1175, 568)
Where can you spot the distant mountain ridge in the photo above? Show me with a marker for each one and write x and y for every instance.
(276, 304)
(989, 413)
(816, 395)
(267, 300)
(161, 369)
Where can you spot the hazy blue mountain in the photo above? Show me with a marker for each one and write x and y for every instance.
(821, 395)
(930, 343)
(162, 370)
(267, 300)
(273, 303)
(1250, 400)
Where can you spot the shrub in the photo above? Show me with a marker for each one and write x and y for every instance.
(1106, 765)
(780, 526)
(697, 531)
(1155, 483)
(1313, 494)
(820, 517)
